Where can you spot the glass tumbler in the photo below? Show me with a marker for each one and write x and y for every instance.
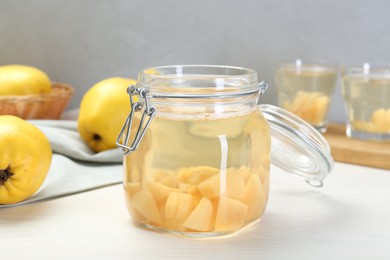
(366, 92)
(305, 89)
(197, 149)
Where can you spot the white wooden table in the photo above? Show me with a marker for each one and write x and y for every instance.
(349, 218)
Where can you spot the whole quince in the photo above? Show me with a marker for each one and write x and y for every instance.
(103, 111)
(23, 80)
(25, 158)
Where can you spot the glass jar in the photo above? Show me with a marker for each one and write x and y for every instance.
(197, 149)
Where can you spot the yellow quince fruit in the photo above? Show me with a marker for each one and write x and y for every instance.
(25, 158)
(23, 80)
(103, 111)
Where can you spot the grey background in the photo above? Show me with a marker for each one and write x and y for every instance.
(82, 42)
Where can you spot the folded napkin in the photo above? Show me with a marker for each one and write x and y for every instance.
(75, 167)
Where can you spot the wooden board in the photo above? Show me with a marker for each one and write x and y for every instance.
(355, 151)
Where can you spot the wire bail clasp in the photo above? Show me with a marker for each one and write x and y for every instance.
(263, 86)
(150, 111)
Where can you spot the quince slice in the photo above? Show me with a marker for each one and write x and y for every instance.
(169, 181)
(177, 208)
(195, 175)
(231, 214)
(310, 106)
(233, 187)
(200, 217)
(160, 192)
(254, 197)
(132, 188)
(381, 120)
(144, 203)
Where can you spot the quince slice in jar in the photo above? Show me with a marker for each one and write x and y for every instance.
(132, 188)
(200, 218)
(254, 197)
(144, 203)
(160, 192)
(177, 208)
(235, 185)
(231, 214)
(195, 175)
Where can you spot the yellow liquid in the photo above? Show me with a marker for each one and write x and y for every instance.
(306, 92)
(200, 173)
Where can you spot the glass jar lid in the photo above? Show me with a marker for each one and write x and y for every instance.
(297, 147)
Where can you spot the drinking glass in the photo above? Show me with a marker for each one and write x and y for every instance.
(305, 89)
(366, 92)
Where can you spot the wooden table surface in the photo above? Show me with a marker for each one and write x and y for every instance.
(355, 151)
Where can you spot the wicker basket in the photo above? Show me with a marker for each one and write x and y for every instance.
(39, 106)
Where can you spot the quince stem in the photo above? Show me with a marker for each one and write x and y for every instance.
(4, 175)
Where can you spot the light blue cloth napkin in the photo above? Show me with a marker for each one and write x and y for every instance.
(75, 167)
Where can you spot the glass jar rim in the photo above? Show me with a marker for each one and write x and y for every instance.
(308, 62)
(179, 70)
(366, 69)
(214, 81)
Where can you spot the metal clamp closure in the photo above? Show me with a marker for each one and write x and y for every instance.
(150, 111)
(263, 86)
